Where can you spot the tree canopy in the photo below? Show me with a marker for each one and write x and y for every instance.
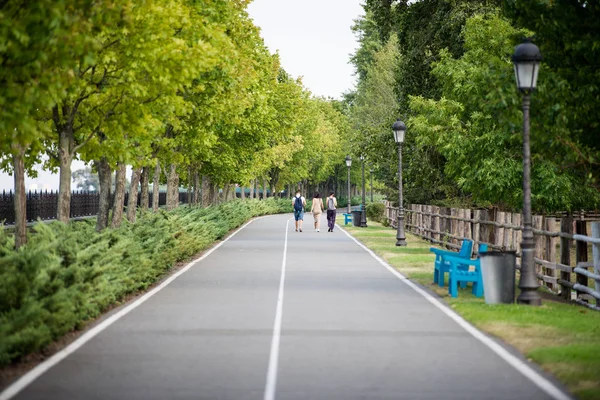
(452, 83)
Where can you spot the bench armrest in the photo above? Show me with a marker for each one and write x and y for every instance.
(462, 261)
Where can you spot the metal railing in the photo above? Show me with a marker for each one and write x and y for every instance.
(43, 204)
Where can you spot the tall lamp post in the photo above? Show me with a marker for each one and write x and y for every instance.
(399, 129)
(348, 164)
(363, 213)
(371, 175)
(526, 60)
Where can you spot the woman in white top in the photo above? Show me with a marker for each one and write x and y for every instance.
(317, 209)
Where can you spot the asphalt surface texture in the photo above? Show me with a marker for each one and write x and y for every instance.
(278, 314)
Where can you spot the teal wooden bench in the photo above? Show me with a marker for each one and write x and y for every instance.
(460, 273)
(347, 218)
(442, 265)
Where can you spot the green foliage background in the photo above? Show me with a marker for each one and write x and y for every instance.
(448, 64)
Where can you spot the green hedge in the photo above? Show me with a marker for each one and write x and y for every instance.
(67, 275)
(375, 211)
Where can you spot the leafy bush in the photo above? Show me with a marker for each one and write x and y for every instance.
(69, 274)
(375, 211)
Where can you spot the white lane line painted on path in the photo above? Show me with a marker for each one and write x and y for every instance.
(35, 373)
(274, 356)
(540, 381)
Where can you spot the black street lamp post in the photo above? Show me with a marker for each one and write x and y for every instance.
(363, 214)
(399, 129)
(371, 174)
(348, 164)
(526, 60)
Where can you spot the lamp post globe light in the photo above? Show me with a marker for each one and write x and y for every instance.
(526, 59)
(399, 129)
(363, 213)
(348, 164)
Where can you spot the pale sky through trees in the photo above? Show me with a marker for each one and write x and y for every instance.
(313, 38)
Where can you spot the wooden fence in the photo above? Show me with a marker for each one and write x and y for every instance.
(562, 254)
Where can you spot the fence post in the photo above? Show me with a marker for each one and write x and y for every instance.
(499, 230)
(436, 223)
(538, 224)
(551, 251)
(517, 233)
(430, 222)
(566, 226)
(596, 256)
(581, 252)
(476, 229)
(469, 225)
(507, 231)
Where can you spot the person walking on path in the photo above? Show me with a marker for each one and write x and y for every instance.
(331, 211)
(298, 202)
(317, 209)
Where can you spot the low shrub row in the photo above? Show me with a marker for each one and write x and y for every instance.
(67, 275)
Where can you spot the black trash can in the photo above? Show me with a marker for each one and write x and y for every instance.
(498, 274)
(356, 217)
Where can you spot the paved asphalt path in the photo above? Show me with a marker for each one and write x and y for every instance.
(275, 314)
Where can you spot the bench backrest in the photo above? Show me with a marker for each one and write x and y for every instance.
(466, 248)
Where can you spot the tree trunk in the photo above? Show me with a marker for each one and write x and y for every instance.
(104, 174)
(144, 201)
(265, 194)
(252, 189)
(118, 204)
(133, 194)
(214, 194)
(205, 191)
(156, 186)
(243, 192)
(20, 197)
(172, 188)
(63, 211)
(189, 187)
(196, 187)
(226, 191)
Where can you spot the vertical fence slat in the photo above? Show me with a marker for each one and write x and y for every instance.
(581, 252)
(469, 225)
(551, 251)
(566, 226)
(596, 257)
(517, 233)
(436, 223)
(499, 230)
(537, 221)
(508, 242)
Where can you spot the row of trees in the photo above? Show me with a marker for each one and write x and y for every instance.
(444, 67)
(181, 90)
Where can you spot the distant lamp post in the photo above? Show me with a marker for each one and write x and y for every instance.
(371, 175)
(363, 213)
(399, 130)
(348, 164)
(526, 60)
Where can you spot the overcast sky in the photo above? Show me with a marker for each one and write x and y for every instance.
(313, 38)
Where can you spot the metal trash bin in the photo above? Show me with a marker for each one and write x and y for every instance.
(356, 214)
(498, 274)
